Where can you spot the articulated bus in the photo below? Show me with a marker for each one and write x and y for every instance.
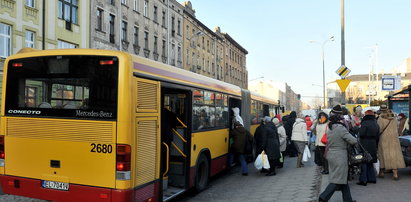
(99, 125)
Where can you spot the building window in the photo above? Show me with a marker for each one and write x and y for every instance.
(146, 40)
(155, 44)
(208, 46)
(163, 48)
(145, 8)
(112, 2)
(155, 14)
(178, 53)
(31, 3)
(5, 40)
(124, 2)
(193, 58)
(123, 31)
(178, 27)
(188, 56)
(203, 43)
(112, 19)
(187, 31)
(163, 19)
(136, 36)
(67, 10)
(99, 19)
(29, 39)
(135, 5)
(63, 44)
(173, 31)
(173, 55)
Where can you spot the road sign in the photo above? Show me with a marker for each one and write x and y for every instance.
(343, 84)
(343, 71)
(391, 82)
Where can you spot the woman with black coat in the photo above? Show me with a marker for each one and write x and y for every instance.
(271, 144)
(369, 135)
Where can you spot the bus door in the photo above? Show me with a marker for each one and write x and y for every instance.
(175, 135)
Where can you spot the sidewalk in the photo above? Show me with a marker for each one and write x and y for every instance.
(291, 184)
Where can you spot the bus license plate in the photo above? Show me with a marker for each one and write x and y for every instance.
(55, 185)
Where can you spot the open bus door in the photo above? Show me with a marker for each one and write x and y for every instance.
(175, 133)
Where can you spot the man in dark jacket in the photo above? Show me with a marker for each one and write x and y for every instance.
(271, 144)
(240, 137)
(369, 134)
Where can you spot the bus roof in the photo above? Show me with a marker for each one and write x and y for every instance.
(144, 66)
(181, 76)
(262, 98)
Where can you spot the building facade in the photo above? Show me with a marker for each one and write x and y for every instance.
(203, 47)
(235, 62)
(151, 29)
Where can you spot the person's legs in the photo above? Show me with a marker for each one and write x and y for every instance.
(364, 173)
(371, 173)
(346, 194)
(244, 168)
(328, 192)
(395, 174)
(272, 168)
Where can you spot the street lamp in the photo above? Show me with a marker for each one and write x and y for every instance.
(192, 45)
(261, 77)
(322, 57)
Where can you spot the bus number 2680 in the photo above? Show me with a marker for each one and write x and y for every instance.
(101, 148)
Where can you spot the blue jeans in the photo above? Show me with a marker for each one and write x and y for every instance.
(241, 158)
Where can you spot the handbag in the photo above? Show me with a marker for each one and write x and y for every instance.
(358, 155)
(324, 139)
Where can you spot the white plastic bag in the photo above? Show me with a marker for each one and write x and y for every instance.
(377, 167)
(306, 154)
(262, 161)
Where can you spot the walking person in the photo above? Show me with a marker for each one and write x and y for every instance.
(240, 137)
(369, 135)
(282, 136)
(289, 121)
(299, 137)
(321, 128)
(389, 148)
(271, 144)
(258, 140)
(402, 120)
(338, 140)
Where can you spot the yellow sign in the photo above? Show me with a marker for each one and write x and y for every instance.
(343, 84)
(343, 71)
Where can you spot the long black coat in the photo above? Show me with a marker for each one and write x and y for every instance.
(258, 138)
(240, 136)
(271, 142)
(369, 135)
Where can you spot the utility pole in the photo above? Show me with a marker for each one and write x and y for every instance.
(342, 44)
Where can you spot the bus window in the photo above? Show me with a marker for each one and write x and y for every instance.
(63, 86)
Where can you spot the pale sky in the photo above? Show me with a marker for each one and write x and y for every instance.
(276, 34)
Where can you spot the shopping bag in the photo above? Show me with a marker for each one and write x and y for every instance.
(281, 158)
(313, 138)
(377, 167)
(306, 154)
(262, 161)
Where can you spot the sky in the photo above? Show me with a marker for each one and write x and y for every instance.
(276, 34)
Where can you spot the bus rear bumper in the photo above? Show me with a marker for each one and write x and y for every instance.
(32, 188)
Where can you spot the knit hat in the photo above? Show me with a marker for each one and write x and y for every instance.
(276, 121)
(402, 115)
(337, 109)
(267, 119)
(358, 109)
(383, 107)
(369, 112)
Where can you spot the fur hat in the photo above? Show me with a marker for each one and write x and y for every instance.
(383, 107)
(337, 109)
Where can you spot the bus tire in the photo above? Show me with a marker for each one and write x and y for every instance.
(202, 173)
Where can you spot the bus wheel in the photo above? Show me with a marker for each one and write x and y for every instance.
(202, 173)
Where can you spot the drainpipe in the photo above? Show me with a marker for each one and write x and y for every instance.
(44, 26)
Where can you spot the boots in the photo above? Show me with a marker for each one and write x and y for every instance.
(299, 159)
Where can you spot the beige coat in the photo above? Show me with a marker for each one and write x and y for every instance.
(389, 149)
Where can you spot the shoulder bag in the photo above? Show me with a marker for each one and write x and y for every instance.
(324, 139)
(358, 155)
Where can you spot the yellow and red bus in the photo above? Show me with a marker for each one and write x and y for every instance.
(99, 125)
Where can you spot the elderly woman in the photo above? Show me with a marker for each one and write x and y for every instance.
(338, 140)
(299, 137)
(389, 149)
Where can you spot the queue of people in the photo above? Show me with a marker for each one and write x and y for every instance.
(377, 133)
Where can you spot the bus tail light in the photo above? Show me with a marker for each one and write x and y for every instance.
(2, 154)
(123, 162)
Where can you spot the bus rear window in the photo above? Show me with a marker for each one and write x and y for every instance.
(63, 86)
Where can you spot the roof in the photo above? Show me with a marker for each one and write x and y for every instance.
(228, 37)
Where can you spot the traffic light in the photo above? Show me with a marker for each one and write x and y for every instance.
(298, 96)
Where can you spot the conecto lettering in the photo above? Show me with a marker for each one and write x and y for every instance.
(15, 111)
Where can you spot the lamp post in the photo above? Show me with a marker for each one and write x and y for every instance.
(261, 77)
(322, 58)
